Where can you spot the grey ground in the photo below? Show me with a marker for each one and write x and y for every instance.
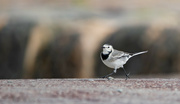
(90, 91)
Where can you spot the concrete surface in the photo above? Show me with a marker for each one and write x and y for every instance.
(90, 91)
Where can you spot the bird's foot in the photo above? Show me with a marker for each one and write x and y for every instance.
(127, 76)
(110, 78)
(104, 77)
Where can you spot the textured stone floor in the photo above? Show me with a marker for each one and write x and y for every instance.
(90, 91)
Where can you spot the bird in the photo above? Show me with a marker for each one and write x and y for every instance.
(116, 59)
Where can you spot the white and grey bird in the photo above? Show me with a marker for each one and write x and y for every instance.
(116, 59)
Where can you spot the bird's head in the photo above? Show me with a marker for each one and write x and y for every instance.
(107, 49)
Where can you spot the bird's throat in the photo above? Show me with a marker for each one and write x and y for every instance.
(105, 56)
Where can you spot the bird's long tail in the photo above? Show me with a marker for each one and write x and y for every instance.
(138, 53)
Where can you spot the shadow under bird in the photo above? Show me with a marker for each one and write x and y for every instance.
(116, 59)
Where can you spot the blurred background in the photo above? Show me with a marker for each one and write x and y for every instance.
(63, 38)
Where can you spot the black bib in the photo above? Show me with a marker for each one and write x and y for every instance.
(104, 56)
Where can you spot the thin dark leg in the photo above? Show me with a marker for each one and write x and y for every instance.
(127, 75)
(108, 75)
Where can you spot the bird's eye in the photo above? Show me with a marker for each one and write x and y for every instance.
(108, 46)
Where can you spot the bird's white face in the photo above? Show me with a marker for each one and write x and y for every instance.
(107, 49)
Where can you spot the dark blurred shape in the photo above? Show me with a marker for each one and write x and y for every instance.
(38, 51)
(66, 56)
(57, 55)
(13, 41)
(164, 52)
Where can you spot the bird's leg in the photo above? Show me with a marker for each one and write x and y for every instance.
(106, 76)
(127, 75)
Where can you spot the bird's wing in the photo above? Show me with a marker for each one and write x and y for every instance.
(118, 54)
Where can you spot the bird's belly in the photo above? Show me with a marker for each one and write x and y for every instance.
(115, 64)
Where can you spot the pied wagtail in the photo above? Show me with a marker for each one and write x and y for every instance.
(116, 59)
